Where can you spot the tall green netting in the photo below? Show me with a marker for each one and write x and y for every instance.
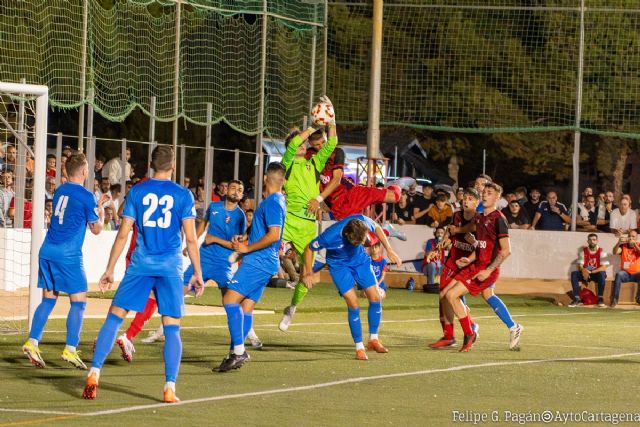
(131, 57)
(490, 65)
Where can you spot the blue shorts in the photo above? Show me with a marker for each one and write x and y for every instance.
(221, 274)
(250, 281)
(69, 278)
(133, 293)
(345, 276)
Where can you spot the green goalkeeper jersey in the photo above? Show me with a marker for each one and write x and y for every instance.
(303, 176)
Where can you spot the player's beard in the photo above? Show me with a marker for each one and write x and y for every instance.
(233, 199)
(592, 247)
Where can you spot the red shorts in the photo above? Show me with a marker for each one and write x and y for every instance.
(447, 276)
(354, 200)
(474, 285)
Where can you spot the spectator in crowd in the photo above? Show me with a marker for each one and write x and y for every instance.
(115, 191)
(97, 167)
(521, 196)
(629, 250)
(413, 196)
(516, 216)
(49, 188)
(250, 192)
(11, 158)
(2, 159)
(48, 212)
(200, 205)
(587, 218)
(592, 265)
(6, 195)
(422, 204)
(503, 202)
(402, 213)
(457, 204)
(290, 264)
(623, 218)
(129, 184)
(109, 219)
(28, 207)
(67, 151)
(604, 212)
(104, 187)
(434, 258)
(63, 169)
(214, 193)
(186, 182)
(249, 217)
(113, 169)
(51, 165)
(222, 190)
(551, 214)
(531, 205)
(440, 214)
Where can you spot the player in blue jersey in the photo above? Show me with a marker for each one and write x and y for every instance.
(60, 260)
(349, 264)
(258, 265)
(160, 209)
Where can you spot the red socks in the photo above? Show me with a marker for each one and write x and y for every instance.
(465, 322)
(141, 318)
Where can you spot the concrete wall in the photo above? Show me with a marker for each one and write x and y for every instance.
(535, 254)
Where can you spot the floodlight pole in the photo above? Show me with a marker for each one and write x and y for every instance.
(373, 133)
(577, 133)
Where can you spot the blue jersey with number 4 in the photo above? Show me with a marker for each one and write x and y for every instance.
(158, 207)
(339, 250)
(224, 224)
(73, 208)
(269, 214)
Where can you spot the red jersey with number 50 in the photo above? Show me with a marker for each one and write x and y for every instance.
(460, 248)
(490, 229)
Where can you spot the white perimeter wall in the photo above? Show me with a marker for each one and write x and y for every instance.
(535, 254)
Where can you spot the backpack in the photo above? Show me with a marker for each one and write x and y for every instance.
(588, 297)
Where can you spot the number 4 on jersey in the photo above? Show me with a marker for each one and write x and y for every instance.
(60, 208)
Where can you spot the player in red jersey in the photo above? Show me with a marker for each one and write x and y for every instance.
(341, 196)
(461, 253)
(492, 248)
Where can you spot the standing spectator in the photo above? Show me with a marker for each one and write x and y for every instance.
(249, 216)
(113, 169)
(97, 167)
(199, 204)
(63, 169)
(104, 187)
(551, 214)
(413, 196)
(10, 158)
(51, 165)
(604, 212)
(67, 151)
(222, 190)
(457, 205)
(403, 213)
(2, 159)
(592, 265)
(422, 204)
(521, 196)
(6, 196)
(115, 192)
(623, 218)
(587, 219)
(214, 193)
(533, 203)
(49, 188)
(516, 216)
(440, 214)
(28, 207)
(48, 212)
(433, 259)
(629, 251)
(186, 182)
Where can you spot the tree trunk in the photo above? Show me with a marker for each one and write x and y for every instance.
(618, 171)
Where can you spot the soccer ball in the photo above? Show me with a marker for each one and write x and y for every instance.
(323, 114)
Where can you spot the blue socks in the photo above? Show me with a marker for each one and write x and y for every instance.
(235, 319)
(354, 324)
(106, 339)
(41, 316)
(172, 352)
(374, 316)
(74, 322)
(501, 310)
(247, 325)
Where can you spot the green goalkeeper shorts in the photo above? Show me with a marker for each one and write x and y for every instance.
(300, 232)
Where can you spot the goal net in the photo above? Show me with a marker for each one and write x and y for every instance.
(23, 128)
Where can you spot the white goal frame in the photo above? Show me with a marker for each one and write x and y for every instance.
(41, 93)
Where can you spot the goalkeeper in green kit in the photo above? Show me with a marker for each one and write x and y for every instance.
(303, 185)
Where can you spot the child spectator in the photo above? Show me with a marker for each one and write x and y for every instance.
(433, 258)
(109, 219)
(51, 165)
(440, 214)
(378, 264)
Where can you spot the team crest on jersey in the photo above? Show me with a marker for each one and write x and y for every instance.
(308, 168)
(227, 219)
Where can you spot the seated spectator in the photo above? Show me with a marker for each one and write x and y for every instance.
(516, 216)
(531, 205)
(51, 165)
(628, 248)
(592, 265)
(434, 258)
(48, 212)
(440, 214)
(521, 197)
(109, 219)
(623, 219)
(422, 204)
(49, 188)
(97, 167)
(551, 214)
(587, 218)
(112, 170)
(6, 195)
(290, 264)
(401, 212)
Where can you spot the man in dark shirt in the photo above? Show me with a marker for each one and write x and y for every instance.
(531, 206)
(422, 204)
(516, 216)
(551, 214)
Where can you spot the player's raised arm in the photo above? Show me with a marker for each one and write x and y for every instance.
(294, 140)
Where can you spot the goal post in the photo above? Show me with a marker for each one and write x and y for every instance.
(30, 135)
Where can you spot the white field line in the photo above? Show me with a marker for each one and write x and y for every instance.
(325, 385)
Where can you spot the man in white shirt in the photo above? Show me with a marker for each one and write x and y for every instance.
(623, 218)
(113, 169)
(6, 194)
